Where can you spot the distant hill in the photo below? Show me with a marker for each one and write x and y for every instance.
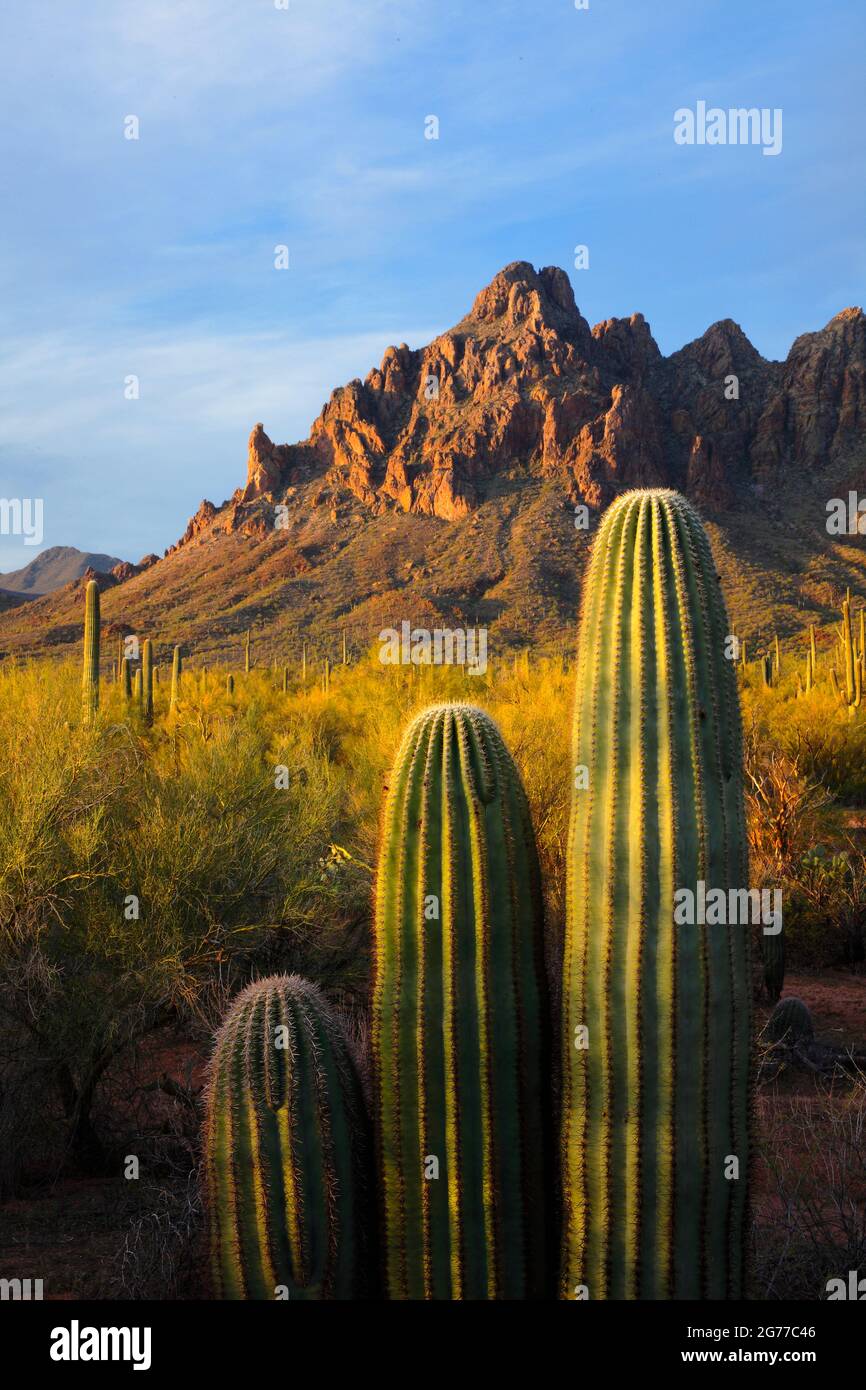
(443, 488)
(53, 568)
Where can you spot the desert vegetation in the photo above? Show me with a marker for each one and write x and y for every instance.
(170, 834)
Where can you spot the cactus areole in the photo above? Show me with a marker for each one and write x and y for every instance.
(459, 1026)
(656, 1016)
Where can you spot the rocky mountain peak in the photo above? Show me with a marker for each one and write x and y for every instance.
(522, 386)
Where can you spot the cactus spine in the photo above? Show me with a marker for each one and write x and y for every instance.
(90, 674)
(286, 1150)
(147, 679)
(459, 1020)
(657, 1016)
(176, 673)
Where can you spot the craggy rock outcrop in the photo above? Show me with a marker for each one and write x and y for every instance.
(523, 385)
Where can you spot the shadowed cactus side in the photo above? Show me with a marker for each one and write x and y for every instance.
(286, 1151)
(90, 673)
(126, 680)
(773, 957)
(147, 679)
(790, 1021)
(459, 1021)
(656, 1016)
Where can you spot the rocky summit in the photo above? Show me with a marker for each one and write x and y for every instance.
(445, 485)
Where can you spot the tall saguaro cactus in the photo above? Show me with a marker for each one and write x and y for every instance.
(90, 673)
(176, 674)
(460, 1026)
(287, 1151)
(656, 1041)
(147, 679)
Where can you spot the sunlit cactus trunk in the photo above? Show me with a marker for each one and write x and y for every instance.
(287, 1151)
(460, 1028)
(657, 1090)
(176, 674)
(90, 673)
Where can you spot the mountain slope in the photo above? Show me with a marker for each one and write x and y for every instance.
(53, 568)
(444, 486)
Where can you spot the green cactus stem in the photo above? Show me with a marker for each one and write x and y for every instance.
(773, 957)
(90, 674)
(147, 679)
(657, 1060)
(790, 1022)
(287, 1152)
(176, 675)
(460, 1027)
(126, 679)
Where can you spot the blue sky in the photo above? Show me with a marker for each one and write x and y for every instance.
(305, 126)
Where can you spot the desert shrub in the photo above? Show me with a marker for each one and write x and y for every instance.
(810, 1209)
(184, 818)
(163, 1252)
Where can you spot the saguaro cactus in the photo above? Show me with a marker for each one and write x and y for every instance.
(176, 673)
(656, 1040)
(460, 1025)
(791, 1022)
(147, 679)
(287, 1151)
(773, 957)
(90, 674)
(248, 658)
(126, 679)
